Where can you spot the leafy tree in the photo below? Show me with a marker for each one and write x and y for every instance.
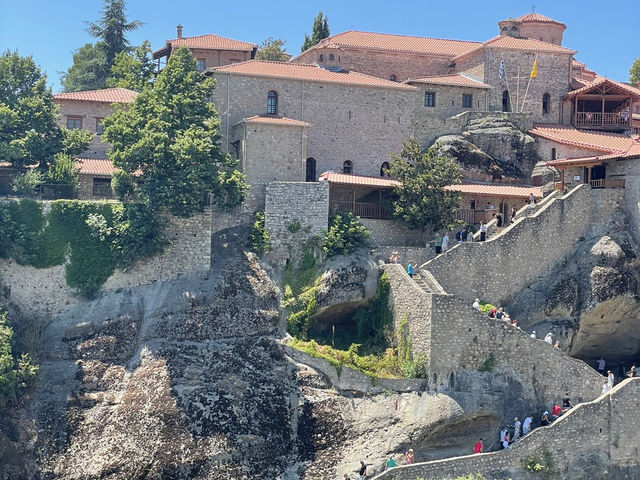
(133, 70)
(320, 30)
(123, 185)
(345, 234)
(272, 49)
(634, 72)
(25, 184)
(89, 70)
(170, 134)
(111, 29)
(63, 171)
(422, 200)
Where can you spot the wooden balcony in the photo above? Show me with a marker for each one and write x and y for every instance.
(599, 119)
(607, 183)
(472, 217)
(363, 210)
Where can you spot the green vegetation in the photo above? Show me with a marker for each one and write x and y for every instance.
(259, 238)
(294, 226)
(134, 71)
(170, 134)
(17, 373)
(272, 49)
(486, 307)
(539, 465)
(422, 200)
(25, 184)
(319, 31)
(299, 288)
(345, 234)
(488, 364)
(123, 185)
(96, 237)
(634, 72)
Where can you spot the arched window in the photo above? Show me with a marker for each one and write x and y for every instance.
(546, 103)
(553, 154)
(384, 169)
(506, 104)
(272, 103)
(310, 175)
(392, 77)
(331, 57)
(347, 166)
(321, 58)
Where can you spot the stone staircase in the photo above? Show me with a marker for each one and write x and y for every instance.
(427, 282)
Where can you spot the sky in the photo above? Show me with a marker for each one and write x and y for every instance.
(607, 39)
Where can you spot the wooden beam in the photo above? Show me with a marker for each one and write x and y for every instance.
(591, 96)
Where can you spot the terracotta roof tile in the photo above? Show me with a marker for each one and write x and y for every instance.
(212, 42)
(458, 80)
(346, 179)
(274, 120)
(95, 166)
(299, 71)
(106, 95)
(632, 152)
(599, 81)
(537, 18)
(589, 139)
(497, 190)
(523, 44)
(398, 43)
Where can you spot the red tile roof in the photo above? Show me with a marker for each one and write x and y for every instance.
(346, 179)
(496, 190)
(95, 166)
(591, 140)
(397, 43)
(632, 152)
(537, 18)
(523, 44)
(212, 42)
(106, 95)
(299, 71)
(458, 80)
(275, 120)
(599, 81)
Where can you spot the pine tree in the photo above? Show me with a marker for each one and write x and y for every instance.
(133, 70)
(320, 30)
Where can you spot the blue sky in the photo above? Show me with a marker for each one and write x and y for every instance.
(606, 38)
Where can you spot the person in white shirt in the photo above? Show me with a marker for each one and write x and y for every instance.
(516, 429)
(533, 334)
(476, 304)
(549, 338)
(445, 242)
(610, 379)
(605, 387)
(526, 425)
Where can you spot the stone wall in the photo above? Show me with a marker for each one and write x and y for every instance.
(448, 101)
(630, 171)
(45, 293)
(214, 58)
(414, 255)
(91, 113)
(393, 232)
(499, 268)
(601, 434)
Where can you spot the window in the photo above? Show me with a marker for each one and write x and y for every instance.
(553, 154)
(99, 128)
(506, 103)
(321, 58)
(347, 166)
(74, 123)
(202, 64)
(392, 77)
(272, 103)
(467, 100)
(429, 99)
(331, 56)
(546, 103)
(384, 169)
(311, 170)
(102, 187)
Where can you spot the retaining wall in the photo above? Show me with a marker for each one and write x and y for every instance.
(394, 233)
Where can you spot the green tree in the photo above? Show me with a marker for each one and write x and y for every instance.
(272, 49)
(320, 30)
(111, 29)
(422, 200)
(89, 70)
(634, 72)
(133, 70)
(170, 134)
(29, 134)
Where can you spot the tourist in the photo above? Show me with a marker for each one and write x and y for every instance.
(500, 313)
(459, 236)
(516, 429)
(601, 364)
(526, 425)
(549, 338)
(556, 411)
(476, 304)
(409, 458)
(557, 345)
(513, 214)
(499, 222)
(532, 201)
(390, 463)
(445, 242)
(506, 441)
(394, 258)
(438, 244)
(477, 448)
(632, 372)
(469, 236)
(533, 334)
(503, 434)
(410, 270)
(513, 323)
(566, 403)
(605, 387)
(363, 470)
(544, 420)
(610, 379)
(483, 231)
(347, 477)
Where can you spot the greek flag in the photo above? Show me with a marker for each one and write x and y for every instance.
(501, 69)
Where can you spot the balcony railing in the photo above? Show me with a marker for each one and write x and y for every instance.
(363, 210)
(607, 183)
(597, 119)
(472, 217)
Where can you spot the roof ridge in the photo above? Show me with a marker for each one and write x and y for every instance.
(209, 35)
(400, 35)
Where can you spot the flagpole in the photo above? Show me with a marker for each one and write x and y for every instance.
(529, 83)
(506, 79)
(518, 90)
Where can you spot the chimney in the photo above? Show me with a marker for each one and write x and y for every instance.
(179, 28)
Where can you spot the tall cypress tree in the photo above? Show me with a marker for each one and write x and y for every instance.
(111, 29)
(320, 30)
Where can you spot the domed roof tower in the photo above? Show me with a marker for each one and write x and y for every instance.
(539, 27)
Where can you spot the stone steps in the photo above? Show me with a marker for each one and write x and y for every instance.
(425, 280)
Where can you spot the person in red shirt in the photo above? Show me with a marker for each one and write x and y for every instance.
(478, 447)
(556, 411)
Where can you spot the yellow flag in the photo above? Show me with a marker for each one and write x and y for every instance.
(534, 69)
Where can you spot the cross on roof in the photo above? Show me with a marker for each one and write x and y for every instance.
(533, 8)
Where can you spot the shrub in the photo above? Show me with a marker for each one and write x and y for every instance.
(488, 364)
(63, 171)
(486, 307)
(259, 238)
(294, 226)
(417, 367)
(26, 183)
(123, 185)
(345, 234)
